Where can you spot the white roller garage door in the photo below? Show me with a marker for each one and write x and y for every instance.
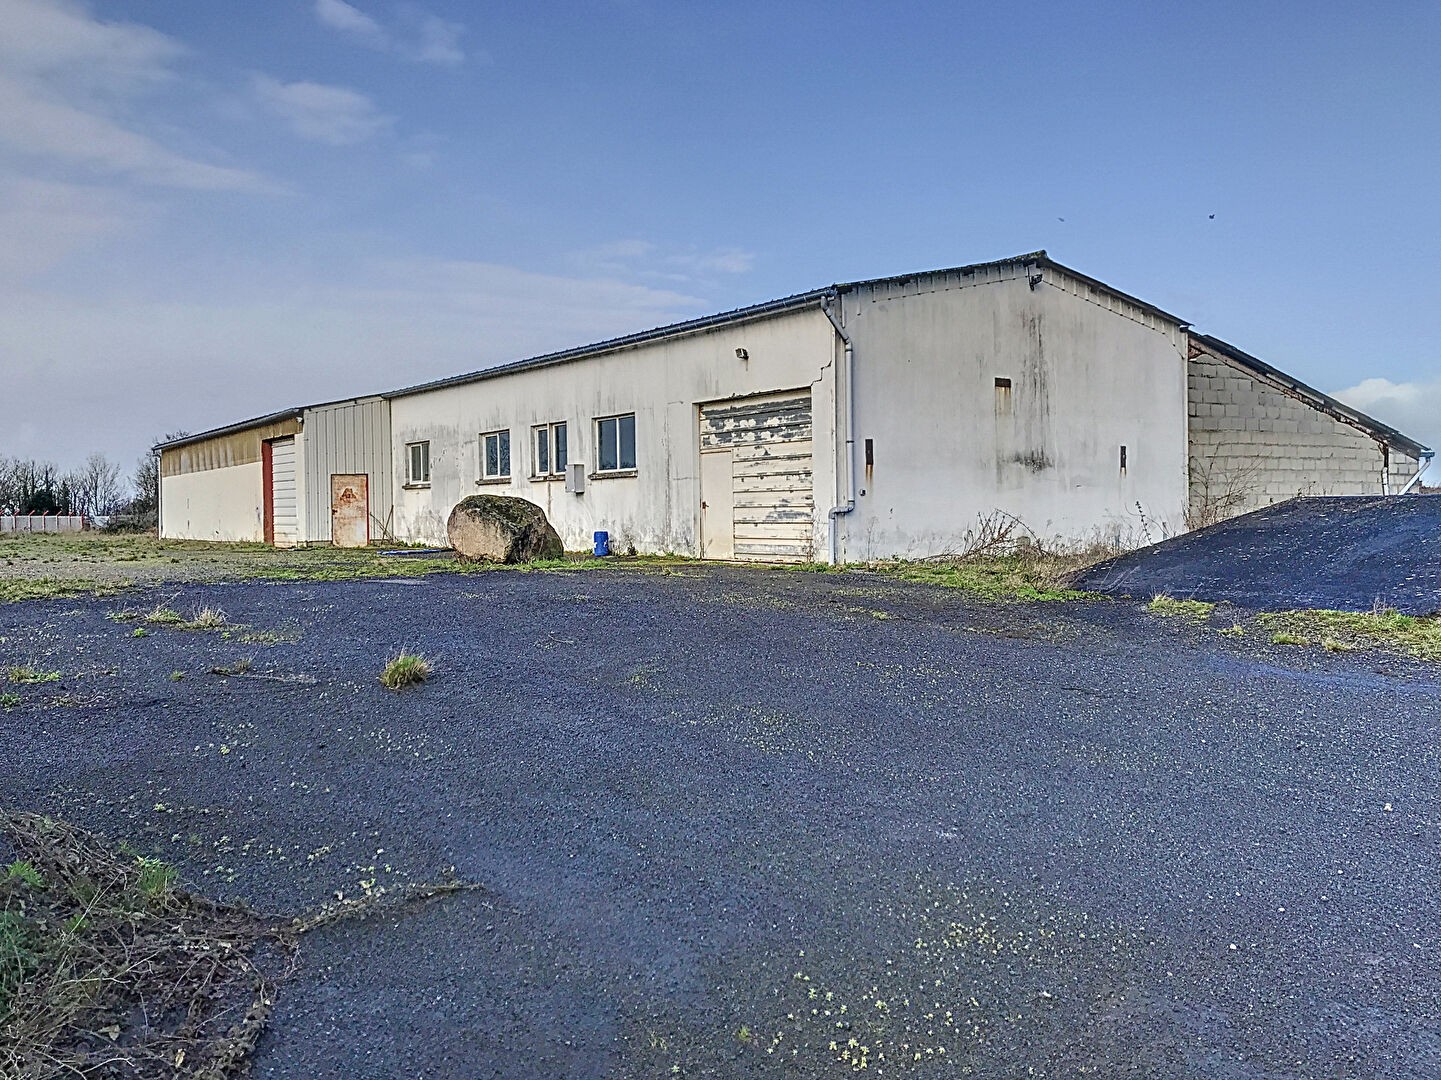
(768, 513)
(283, 488)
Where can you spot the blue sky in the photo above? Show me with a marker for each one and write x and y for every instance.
(209, 210)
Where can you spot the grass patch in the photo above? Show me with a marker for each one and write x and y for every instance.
(108, 967)
(1344, 631)
(406, 669)
(1020, 576)
(1171, 608)
(15, 589)
(9, 700)
(30, 675)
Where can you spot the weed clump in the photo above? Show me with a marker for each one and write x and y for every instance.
(405, 669)
(1000, 559)
(27, 674)
(1170, 607)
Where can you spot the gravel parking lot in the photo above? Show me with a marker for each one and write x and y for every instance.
(741, 822)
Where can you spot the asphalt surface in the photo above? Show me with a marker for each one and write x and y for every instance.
(729, 821)
(1342, 553)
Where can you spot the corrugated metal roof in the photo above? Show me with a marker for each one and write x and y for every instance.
(1324, 402)
(805, 299)
(296, 413)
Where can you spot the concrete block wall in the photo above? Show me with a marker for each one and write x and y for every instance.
(1254, 442)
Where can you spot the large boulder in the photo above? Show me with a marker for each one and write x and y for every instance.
(499, 528)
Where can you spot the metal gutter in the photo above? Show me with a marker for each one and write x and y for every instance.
(1426, 456)
(661, 333)
(849, 369)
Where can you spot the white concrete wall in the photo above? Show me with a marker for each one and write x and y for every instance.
(658, 509)
(1253, 443)
(1089, 373)
(213, 504)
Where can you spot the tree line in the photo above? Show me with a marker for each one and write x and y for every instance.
(97, 488)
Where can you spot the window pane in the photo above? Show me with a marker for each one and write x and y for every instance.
(542, 451)
(627, 441)
(414, 462)
(425, 462)
(606, 435)
(560, 448)
(492, 456)
(504, 453)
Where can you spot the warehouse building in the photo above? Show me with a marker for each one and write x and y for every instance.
(862, 420)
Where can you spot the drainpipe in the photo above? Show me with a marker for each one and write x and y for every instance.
(849, 505)
(1426, 456)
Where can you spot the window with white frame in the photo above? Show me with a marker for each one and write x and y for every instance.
(495, 455)
(550, 449)
(615, 443)
(417, 463)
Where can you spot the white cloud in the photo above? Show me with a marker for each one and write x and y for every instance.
(334, 115)
(67, 81)
(128, 366)
(44, 221)
(1411, 407)
(642, 258)
(44, 37)
(420, 36)
(338, 15)
(435, 41)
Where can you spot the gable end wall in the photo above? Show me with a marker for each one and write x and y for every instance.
(1254, 442)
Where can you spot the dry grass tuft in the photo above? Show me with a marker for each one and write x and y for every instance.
(207, 618)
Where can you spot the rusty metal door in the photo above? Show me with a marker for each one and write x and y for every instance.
(349, 510)
(766, 441)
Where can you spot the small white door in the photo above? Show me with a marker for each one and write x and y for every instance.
(717, 505)
(283, 488)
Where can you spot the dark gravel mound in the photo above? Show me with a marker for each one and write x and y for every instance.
(1342, 553)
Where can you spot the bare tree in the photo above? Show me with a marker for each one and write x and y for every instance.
(146, 481)
(96, 486)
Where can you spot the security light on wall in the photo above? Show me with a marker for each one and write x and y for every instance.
(741, 354)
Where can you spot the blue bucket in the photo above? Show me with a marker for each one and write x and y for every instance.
(602, 544)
